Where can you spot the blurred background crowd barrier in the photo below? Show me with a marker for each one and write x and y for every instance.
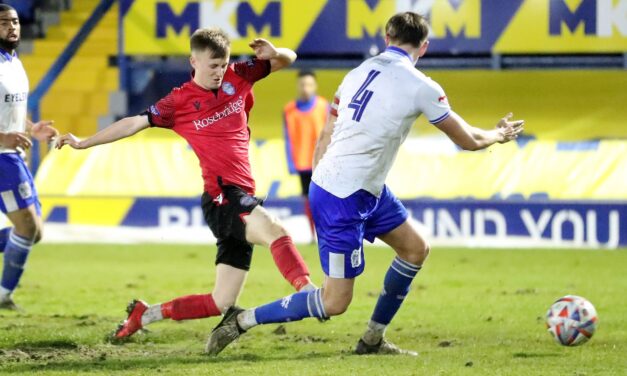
(559, 64)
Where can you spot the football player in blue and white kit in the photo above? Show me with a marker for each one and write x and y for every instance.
(374, 108)
(18, 197)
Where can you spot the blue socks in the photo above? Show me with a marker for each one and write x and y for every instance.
(294, 307)
(4, 237)
(395, 287)
(15, 254)
(301, 305)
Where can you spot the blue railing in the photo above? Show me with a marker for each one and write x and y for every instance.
(55, 70)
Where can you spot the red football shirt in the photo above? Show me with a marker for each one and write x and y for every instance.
(215, 123)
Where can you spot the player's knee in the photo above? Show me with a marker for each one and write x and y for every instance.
(223, 301)
(425, 250)
(336, 305)
(336, 308)
(418, 254)
(277, 231)
(29, 230)
(38, 236)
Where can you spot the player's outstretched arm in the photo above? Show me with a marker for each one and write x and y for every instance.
(468, 137)
(42, 131)
(279, 57)
(120, 129)
(324, 139)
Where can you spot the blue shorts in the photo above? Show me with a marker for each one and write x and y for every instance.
(17, 189)
(343, 223)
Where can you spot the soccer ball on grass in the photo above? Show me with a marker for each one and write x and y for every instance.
(571, 320)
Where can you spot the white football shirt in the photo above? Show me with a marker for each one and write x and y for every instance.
(376, 105)
(13, 95)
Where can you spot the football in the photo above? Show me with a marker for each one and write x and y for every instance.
(571, 320)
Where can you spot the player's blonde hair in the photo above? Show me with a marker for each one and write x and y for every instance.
(214, 39)
(407, 28)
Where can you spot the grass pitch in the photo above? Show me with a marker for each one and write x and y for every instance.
(470, 312)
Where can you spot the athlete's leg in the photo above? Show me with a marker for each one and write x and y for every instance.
(27, 223)
(390, 224)
(4, 237)
(408, 244)
(335, 296)
(340, 231)
(26, 232)
(262, 228)
(19, 202)
(232, 264)
(228, 286)
(18, 198)
(332, 300)
(411, 250)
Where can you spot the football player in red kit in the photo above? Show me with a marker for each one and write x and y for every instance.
(210, 112)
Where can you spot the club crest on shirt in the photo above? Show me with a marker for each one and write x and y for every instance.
(25, 190)
(228, 88)
(154, 111)
(356, 258)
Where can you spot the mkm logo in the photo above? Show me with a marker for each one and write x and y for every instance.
(219, 13)
(596, 17)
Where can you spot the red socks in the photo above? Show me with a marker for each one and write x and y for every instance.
(290, 262)
(190, 307)
(287, 259)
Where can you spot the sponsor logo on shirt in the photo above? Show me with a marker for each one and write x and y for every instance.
(228, 88)
(16, 97)
(443, 99)
(234, 107)
(197, 105)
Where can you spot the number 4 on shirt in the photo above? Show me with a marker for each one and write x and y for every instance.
(362, 96)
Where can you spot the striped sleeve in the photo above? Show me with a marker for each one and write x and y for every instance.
(433, 103)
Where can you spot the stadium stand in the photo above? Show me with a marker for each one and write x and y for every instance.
(81, 94)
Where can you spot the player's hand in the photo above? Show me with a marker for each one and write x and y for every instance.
(264, 50)
(509, 129)
(70, 140)
(43, 131)
(14, 140)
